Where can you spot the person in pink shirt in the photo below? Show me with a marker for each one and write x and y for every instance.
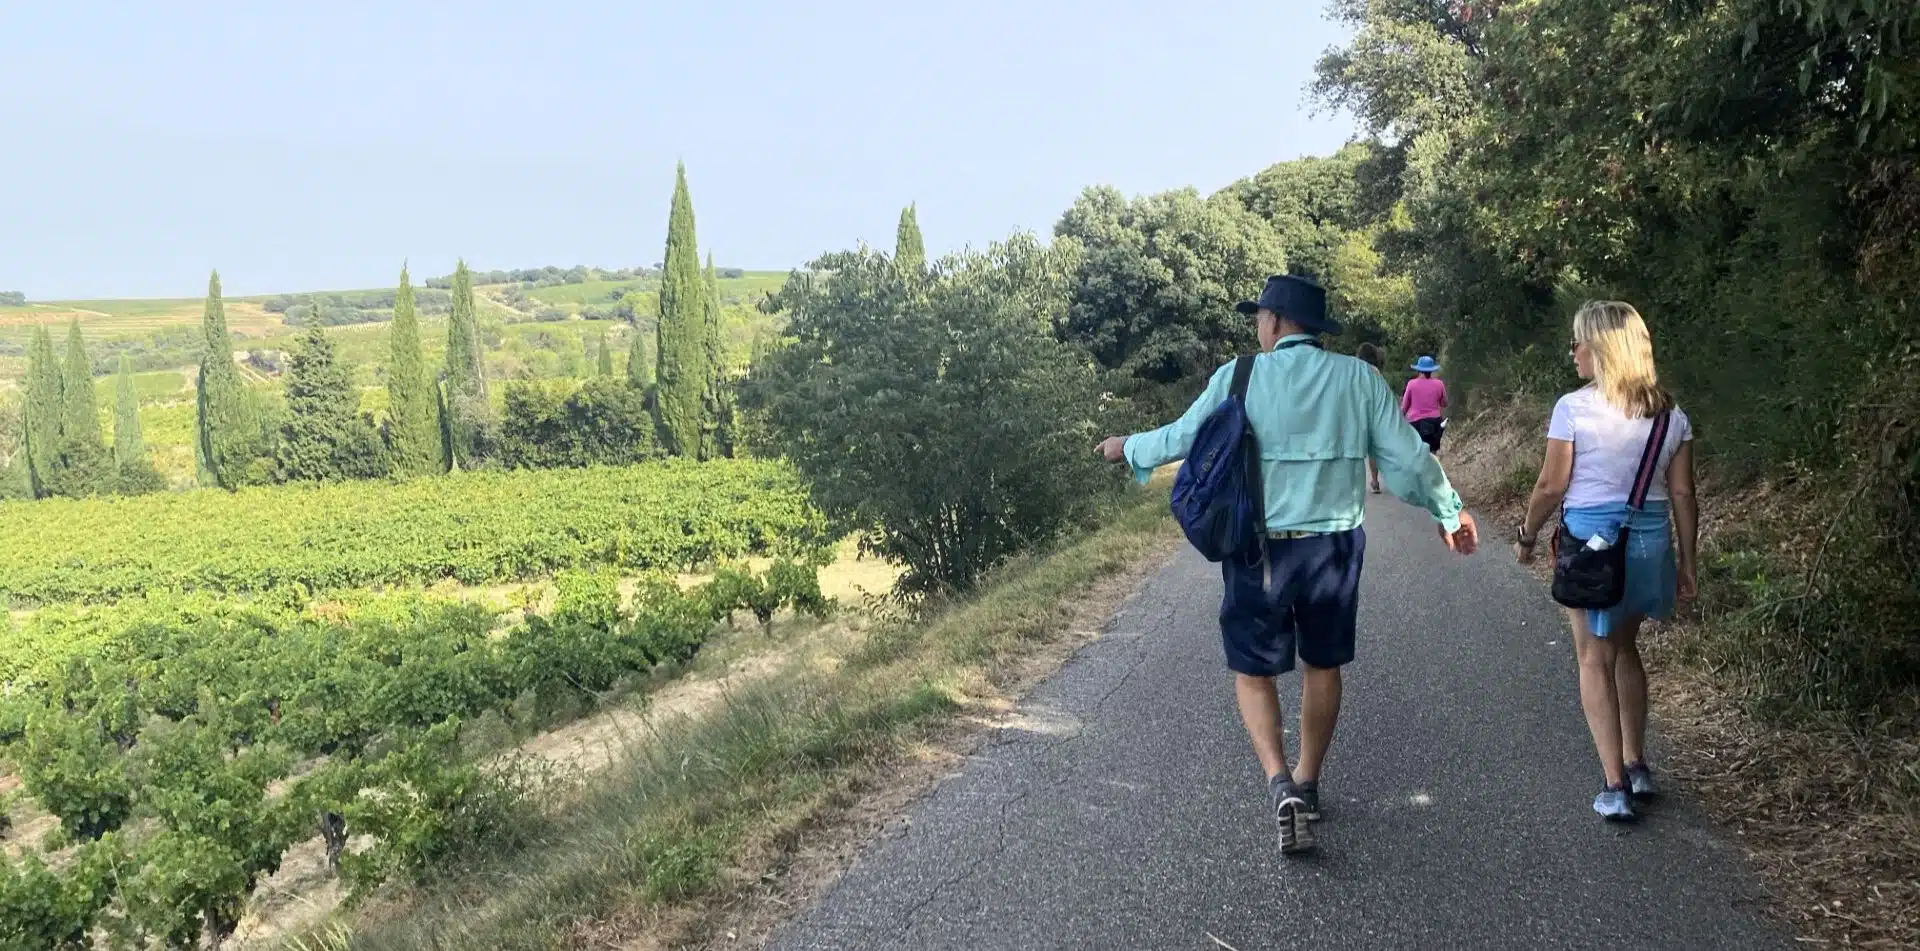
(1424, 402)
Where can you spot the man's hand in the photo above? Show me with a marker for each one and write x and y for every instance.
(1113, 448)
(1466, 540)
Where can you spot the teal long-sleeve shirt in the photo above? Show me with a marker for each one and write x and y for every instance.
(1318, 417)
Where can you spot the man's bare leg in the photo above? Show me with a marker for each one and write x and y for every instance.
(1319, 712)
(1260, 711)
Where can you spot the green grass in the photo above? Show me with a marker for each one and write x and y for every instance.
(159, 386)
(664, 827)
(572, 297)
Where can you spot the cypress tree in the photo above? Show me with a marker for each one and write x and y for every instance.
(639, 364)
(135, 474)
(128, 446)
(909, 251)
(42, 412)
(606, 356)
(412, 432)
(466, 373)
(324, 438)
(718, 438)
(228, 435)
(682, 349)
(84, 467)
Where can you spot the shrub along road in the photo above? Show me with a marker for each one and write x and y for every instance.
(1123, 809)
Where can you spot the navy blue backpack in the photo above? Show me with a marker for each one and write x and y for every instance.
(1216, 496)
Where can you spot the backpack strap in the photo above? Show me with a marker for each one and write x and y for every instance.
(1242, 372)
(1650, 459)
(1250, 453)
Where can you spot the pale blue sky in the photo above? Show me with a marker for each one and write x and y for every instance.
(300, 146)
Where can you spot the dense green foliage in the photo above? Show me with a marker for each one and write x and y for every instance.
(554, 424)
(1157, 278)
(324, 438)
(1741, 171)
(190, 722)
(412, 432)
(940, 414)
(228, 438)
(477, 528)
(684, 371)
(639, 362)
(469, 414)
(909, 249)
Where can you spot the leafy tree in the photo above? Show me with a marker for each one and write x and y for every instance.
(466, 394)
(684, 369)
(324, 438)
(548, 425)
(983, 419)
(43, 415)
(412, 433)
(909, 251)
(228, 437)
(13, 299)
(1157, 277)
(1312, 205)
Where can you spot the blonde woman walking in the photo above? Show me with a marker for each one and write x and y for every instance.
(1619, 455)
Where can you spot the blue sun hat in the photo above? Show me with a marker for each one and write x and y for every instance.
(1297, 299)
(1426, 365)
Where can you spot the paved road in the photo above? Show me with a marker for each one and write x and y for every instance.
(1124, 809)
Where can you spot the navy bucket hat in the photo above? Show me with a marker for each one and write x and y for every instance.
(1297, 299)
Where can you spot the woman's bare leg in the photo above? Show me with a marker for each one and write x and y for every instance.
(1599, 697)
(1630, 687)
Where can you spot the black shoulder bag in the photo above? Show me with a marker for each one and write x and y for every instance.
(1597, 580)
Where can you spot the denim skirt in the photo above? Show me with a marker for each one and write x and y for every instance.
(1651, 575)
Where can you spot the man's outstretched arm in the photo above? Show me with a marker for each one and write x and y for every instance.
(1148, 451)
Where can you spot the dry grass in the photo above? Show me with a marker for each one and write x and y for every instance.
(1827, 811)
(709, 829)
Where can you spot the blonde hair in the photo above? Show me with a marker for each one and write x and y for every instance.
(1622, 352)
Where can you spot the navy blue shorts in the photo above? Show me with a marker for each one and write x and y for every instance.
(1311, 609)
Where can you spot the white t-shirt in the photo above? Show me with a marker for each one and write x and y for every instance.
(1607, 447)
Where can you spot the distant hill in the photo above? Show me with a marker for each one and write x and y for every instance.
(533, 330)
(160, 333)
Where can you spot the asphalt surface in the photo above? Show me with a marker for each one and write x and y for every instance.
(1124, 809)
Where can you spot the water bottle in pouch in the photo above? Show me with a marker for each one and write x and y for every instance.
(1596, 543)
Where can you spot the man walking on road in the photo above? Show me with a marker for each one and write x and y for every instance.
(1318, 418)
